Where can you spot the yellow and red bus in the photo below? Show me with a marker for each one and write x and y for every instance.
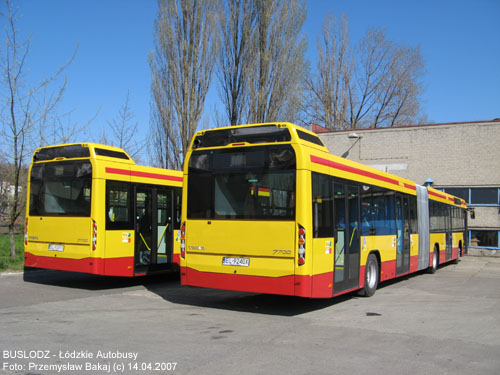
(91, 209)
(267, 209)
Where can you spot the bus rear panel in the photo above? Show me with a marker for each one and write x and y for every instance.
(240, 210)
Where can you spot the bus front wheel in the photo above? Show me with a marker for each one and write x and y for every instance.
(371, 277)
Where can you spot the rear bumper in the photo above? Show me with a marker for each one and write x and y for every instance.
(317, 286)
(99, 266)
(246, 283)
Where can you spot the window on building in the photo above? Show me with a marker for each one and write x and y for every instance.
(477, 196)
(484, 238)
(484, 196)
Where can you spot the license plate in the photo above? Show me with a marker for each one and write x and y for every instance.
(54, 247)
(239, 262)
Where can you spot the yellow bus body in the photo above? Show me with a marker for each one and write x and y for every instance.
(86, 244)
(263, 255)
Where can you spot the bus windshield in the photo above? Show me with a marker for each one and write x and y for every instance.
(61, 189)
(242, 183)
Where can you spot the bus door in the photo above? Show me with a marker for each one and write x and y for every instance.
(449, 233)
(153, 228)
(165, 226)
(347, 237)
(403, 235)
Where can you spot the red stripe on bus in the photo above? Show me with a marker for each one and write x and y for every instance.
(437, 194)
(156, 176)
(354, 170)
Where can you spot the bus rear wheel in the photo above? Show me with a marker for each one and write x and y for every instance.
(371, 277)
(456, 261)
(435, 261)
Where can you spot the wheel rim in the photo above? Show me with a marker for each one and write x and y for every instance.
(434, 260)
(371, 275)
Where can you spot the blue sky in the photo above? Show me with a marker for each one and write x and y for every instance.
(459, 39)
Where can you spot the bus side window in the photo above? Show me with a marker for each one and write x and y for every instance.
(322, 205)
(118, 212)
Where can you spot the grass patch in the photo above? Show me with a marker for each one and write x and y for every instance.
(6, 263)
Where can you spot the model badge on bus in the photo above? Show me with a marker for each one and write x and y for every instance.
(196, 248)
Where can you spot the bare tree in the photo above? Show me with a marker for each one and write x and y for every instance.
(181, 69)
(328, 99)
(386, 86)
(236, 55)
(376, 84)
(122, 131)
(23, 110)
(275, 86)
(158, 153)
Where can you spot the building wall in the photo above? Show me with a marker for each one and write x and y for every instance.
(451, 155)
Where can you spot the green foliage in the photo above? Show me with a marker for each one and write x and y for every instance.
(6, 263)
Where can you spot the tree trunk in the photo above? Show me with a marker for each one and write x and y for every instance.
(12, 242)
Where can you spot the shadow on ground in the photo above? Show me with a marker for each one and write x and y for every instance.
(167, 286)
(92, 282)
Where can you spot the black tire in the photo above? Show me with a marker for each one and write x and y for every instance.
(456, 261)
(371, 277)
(435, 261)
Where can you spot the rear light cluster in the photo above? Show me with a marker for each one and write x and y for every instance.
(302, 245)
(94, 235)
(26, 232)
(183, 240)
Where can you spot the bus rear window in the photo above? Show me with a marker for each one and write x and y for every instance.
(61, 189)
(257, 134)
(245, 183)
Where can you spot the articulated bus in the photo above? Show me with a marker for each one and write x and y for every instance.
(267, 209)
(91, 209)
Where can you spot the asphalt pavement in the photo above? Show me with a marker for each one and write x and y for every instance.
(54, 322)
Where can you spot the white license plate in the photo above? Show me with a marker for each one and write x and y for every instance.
(54, 247)
(240, 262)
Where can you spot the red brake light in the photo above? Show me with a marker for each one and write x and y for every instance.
(183, 240)
(26, 232)
(94, 235)
(302, 245)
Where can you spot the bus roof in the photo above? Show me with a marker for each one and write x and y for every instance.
(270, 132)
(80, 150)
(113, 163)
(443, 197)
